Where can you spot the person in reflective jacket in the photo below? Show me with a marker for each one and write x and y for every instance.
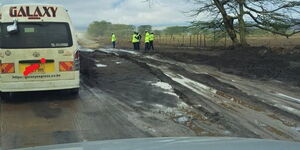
(135, 40)
(147, 41)
(113, 40)
(151, 38)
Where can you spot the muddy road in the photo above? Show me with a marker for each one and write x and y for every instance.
(117, 101)
(221, 104)
(126, 94)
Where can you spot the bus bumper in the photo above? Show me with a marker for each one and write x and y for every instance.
(38, 86)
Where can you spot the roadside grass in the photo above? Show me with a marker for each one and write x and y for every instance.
(207, 41)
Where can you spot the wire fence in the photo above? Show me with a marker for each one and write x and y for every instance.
(204, 40)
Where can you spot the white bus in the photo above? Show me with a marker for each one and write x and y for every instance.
(30, 33)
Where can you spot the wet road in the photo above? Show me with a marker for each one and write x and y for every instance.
(53, 117)
(226, 105)
(125, 94)
(105, 109)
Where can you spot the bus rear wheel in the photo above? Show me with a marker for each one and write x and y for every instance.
(74, 91)
(6, 95)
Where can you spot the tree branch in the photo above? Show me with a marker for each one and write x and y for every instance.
(273, 31)
(254, 18)
(284, 6)
(234, 8)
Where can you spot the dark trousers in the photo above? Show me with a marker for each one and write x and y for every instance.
(114, 44)
(147, 46)
(136, 46)
(151, 45)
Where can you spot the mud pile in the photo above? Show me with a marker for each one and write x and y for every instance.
(255, 63)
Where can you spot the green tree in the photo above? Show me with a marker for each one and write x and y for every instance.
(143, 28)
(104, 28)
(99, 28)
(176, 30)
(122, 29)
(157, 32)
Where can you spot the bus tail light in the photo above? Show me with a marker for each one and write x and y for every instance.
(7, 68)
(66, 66)
(76, 61)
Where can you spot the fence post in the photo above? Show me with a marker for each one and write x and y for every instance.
(225, 40)
(193, 41)
(183, 40)
(190, 41)
(197, 40)
(204, 40)
(200, 40)
(158, 39)
(166, 40)
(214, 37)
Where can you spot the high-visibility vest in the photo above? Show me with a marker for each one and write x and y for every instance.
(135, 38)
(139, 36)
(113, 38)
(151, 37)
(147, 37)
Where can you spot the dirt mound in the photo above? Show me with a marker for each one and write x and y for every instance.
(256, 63)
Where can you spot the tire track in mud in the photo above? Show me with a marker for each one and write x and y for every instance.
(57, 119)
(109, 116)
(214, 116)
(206, 112)
(45, 118)
(132, 86)
(229, 120)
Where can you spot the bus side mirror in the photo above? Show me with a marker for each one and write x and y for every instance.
(12, 28)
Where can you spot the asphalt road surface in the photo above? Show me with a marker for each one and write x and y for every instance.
(126, 94)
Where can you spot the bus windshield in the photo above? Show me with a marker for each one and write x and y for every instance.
(36, 35)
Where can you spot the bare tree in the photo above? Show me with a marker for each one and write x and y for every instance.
(275, 16)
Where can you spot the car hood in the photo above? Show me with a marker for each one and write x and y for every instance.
(188, 143)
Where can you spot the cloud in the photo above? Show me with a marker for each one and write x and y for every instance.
(135, 12)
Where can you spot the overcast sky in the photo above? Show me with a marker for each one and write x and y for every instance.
(136, 12)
